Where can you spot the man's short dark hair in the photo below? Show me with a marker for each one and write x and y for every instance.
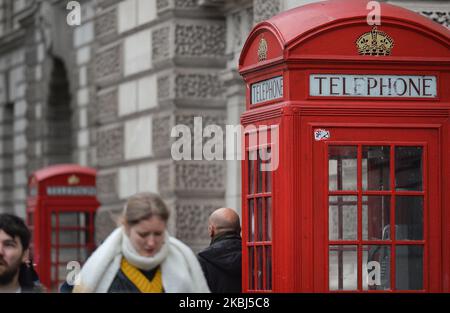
(15, 226)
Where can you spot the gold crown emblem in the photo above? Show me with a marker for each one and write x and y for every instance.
(375, 42)
(73, 180)
(262, 49)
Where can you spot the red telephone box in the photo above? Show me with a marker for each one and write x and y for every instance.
(358, 116)
(61, 208)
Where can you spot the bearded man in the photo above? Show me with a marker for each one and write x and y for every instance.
(16, 271)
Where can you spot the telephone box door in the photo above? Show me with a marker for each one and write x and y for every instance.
(72, 239)
(376, 197)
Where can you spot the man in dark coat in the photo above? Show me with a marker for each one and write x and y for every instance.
(222, 260)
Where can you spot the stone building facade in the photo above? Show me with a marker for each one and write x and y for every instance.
(106, 94)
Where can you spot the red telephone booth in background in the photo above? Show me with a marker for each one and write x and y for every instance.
(357, 200)
(61, 208)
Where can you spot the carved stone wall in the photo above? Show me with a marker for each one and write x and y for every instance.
(161, 140)
(199, 176)
(108, 64)
(200, 39)
(107, 106)
(191, 220)
(106, 26)
(110, 145)
(198, 85)
(107, 187)
(165, 86)
(265, 9)
(161, 43)
(440, 17)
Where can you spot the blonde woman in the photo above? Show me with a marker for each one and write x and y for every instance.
(141, 256)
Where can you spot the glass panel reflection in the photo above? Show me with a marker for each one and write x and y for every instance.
(343, 218)
(343, 268)
(251, 269)
(71, 237)
(68, 254)
(342, 162)
(409, 267)
(251, 172)
(259, 257)
(269, 173)
(259, 173)
(268, 267)
(260, 219)
(375, 170)
(269, 219)
(68, 219)
(376, 217)
(376, 267)
(251, 221)
(409, 217)
(408, 168)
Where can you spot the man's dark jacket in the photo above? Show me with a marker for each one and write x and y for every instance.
(222, 263)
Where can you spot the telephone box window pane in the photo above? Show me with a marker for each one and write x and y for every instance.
(54, 269)
(53, 219)
(259, 172)
(251, 269)
(30, 219)
(259, 257)
(409, 267)
(375, 168)
(260, 219)
(82, 219)
(83, 253)
(251, 221)
(68, 219)
(376, 212)
(343, 268)
(68, 254)
(83, 237)
(409, 217)
(408, 168)
(376, 267)
(269, 219)
(343, 217)
(251, 172)
(53, 257)
(62, 272)
(268, 173)
(69, 238)
(342, 167)
(269, 267)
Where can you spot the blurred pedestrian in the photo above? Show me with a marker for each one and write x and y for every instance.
(141, 256)
(222, 260)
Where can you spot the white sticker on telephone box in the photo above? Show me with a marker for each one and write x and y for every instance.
(321, 134)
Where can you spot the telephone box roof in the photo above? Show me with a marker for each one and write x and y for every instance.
(61, 169)
(290, 26)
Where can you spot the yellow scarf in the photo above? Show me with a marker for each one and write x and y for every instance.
(139, 279)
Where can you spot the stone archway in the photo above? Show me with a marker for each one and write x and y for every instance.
(57, 137)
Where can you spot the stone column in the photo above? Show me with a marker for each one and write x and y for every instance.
(239, 24)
